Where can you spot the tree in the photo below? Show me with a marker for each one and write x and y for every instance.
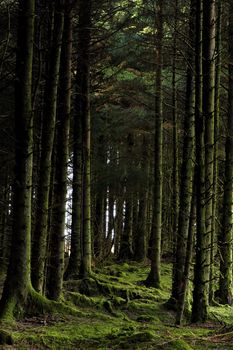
(57, 232)
(83, 83)
(225, 282)
(153, 278)
(40, 235)
(204, 119)
(17, 286)
(187, 170)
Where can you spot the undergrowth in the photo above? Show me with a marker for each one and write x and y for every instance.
(114, 310)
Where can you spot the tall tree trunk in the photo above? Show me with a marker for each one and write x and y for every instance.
(18, 283)
(204, 153)
(214, 231)
(175, 170)
(41, 226)
(153, 278)
(187, 168)
(225, 283)
(57, 232)
(83, 81)
(208, 114)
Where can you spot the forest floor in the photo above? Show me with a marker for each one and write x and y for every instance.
(118, 312)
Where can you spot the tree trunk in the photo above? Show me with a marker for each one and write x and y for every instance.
(18, 284)
(153, 278)
(208, 114)
(57, 232)
(204, 155)
(225, 283)
(214, 231)
(185, 278)
(83, 81)
(41, 226)
(187, 168)
(175, 170)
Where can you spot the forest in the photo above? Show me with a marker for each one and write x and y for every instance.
(116, 174)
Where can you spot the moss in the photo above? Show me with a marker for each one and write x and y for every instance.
(178, 344)
(9, 311)
(80, 300)
(108, 306)
(89, 287)
(118, 301)
(146, 318)
(122, 314)
(130, 341)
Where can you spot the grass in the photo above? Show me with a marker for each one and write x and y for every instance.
(119, 312)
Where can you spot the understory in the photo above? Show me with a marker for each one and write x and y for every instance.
(114, 310)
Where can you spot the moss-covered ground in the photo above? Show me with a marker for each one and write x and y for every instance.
(116, 311)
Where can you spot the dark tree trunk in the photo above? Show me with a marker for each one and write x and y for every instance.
(153, 279)
(57, 231)
(83, 82)
(18, 284)
(225, 240)
(187, 168)
(40, 236)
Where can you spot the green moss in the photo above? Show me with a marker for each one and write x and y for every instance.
(146, 318)
(120, 313)
(129, 342)
(178, 344)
